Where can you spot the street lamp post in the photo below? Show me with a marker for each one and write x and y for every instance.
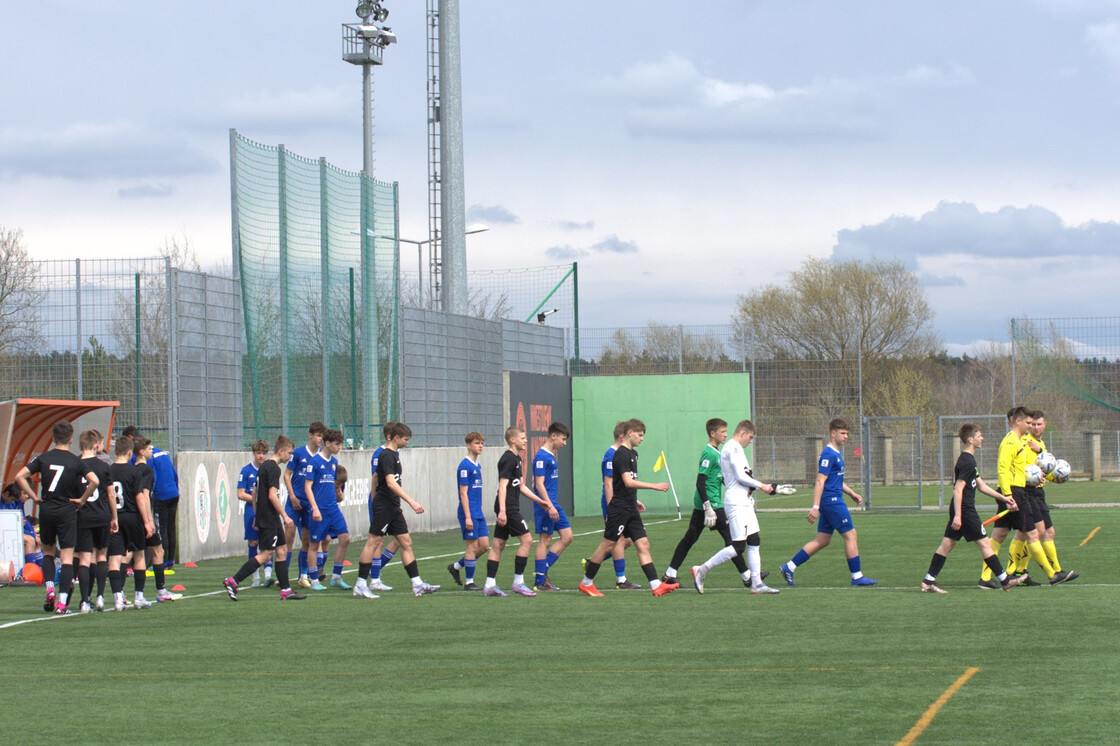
(475, 228)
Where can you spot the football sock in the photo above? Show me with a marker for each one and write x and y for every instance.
(139, 578)
(1039, 556)
(47, 564)
(102, 574)
(322, 560)
(246, 570)
(853, 567)
(282, 575)
(986, 572)
(413, 571)
(589, 570)
(375, 568)
(799, 559)
(519, 564)
(620, 569)
(313, 573)
(338, 569)
(83, 582)
(550, 559)
(67, 579)
(469, 565)
(651, 574)
(1051, 550)
(268, 570)
(252, 551)
(541, 567)
(386, 557)
(460, 563)
(754, 559)
(302, 561)
(116, 581)
(491, 573)
(935, 566)
(158, 571)
(993, 564)
(720, 557)
(1015, 553)
(363, 571)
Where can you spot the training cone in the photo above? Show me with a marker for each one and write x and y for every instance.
(346, 563)
(190, 564)
(32, 573)
(178, 588)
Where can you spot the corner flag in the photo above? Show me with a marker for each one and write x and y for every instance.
(660, 463)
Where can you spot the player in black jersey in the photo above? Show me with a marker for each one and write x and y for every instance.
(388, 519)
(271, 522)
(96, 520)
(135, 525)
(624, 514)
(964, 521)
(60, 476)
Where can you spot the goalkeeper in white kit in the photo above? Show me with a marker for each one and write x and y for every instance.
(738, 503)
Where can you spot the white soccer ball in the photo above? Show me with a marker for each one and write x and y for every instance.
(1061, 470)
(1046, 461)
(1034, 476)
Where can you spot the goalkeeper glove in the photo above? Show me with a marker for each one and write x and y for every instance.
(709, 515)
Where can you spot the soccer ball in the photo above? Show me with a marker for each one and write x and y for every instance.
(1046, 462)
(1034, 476)
(1061, 470)
(32, 573)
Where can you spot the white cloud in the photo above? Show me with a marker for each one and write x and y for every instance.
(145, 190)
(671, 97)
(492, 214)
(95, 150)
(612, 244)
(1104, 40)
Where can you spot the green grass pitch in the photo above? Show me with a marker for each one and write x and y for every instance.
(820, 663)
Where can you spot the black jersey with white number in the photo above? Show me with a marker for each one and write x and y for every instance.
(126, 482)
(268, 478)
(625, 462)
(509, 467)
(60, 476)
(966, 471)
(96, 511)
(388, 463)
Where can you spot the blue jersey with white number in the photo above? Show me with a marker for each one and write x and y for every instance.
(831, 464)
(545, 465)
(469, 475)
(300, 464)
(247, 480)
(323, 473)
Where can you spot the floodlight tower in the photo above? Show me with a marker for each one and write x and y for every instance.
(363, 44)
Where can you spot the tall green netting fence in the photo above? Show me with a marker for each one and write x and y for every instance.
(315, 248)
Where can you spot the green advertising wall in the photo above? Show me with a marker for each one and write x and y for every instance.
(674, 409)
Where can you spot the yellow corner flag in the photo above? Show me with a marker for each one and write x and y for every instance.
(660, 463)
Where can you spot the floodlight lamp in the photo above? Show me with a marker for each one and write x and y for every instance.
(381, 14)
(364, 10)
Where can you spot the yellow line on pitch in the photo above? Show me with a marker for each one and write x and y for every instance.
(1091, 535)
(928, 715)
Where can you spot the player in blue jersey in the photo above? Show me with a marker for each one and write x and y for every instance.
(546, 483)
(246, 482)
(332, 525)
(829, 507)
(12, 499)
(618, 554)
(390, 550)
(165, 502)
(472, 519)
(298, 507)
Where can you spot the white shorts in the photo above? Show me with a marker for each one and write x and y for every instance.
(741, 518)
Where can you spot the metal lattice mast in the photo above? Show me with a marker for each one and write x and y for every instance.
(434, 192)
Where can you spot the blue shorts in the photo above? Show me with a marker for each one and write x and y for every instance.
(333, 524)
(480, 528)
(545, 525)
(604, 501)
(28, 529)
(251, 533)
(299, 517)
(370, 506)
(834, 517)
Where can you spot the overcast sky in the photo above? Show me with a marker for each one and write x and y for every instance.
(682, 152)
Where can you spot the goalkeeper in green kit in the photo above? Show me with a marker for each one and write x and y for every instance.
(707, 506)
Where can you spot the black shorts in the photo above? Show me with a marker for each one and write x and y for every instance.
(624, 521)
(58, 526)
(516, 525)
(1041, 509)
(270, 538)
(93, 537)
(1023, 518)
(971, 529)
(130, 529)
(155, 540)
(388, 520)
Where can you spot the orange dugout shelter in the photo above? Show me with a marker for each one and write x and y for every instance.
(25, 427)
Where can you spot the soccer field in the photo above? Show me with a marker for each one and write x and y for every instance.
(820, 663)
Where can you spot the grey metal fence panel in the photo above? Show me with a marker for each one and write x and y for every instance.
(207, 361)
(533, 348)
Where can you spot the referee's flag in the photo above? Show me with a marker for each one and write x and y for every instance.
(660, 463)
